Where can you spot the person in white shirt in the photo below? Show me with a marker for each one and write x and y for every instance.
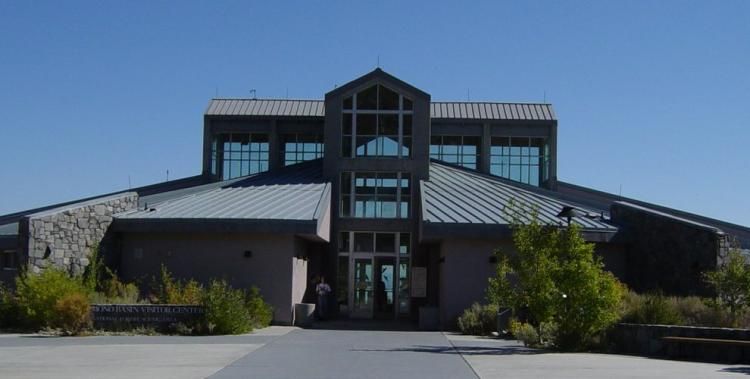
(322, 290)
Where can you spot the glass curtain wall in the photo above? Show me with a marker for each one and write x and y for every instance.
(459, 150)
(296, 148)
(522, 159)
(376, 122)
(239, 154)
(375, 194)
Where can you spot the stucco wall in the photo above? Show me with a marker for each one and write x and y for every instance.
(64, 237)
(464, 271)
(272, 266)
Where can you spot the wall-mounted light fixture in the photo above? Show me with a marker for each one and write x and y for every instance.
(248, 254)
(569, 212)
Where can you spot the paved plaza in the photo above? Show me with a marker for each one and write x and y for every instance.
(285, 352)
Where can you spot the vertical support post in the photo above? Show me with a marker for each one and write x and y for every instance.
(484, 157)
(274, 148)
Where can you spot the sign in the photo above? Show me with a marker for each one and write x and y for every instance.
(419, 282)
(144, 314)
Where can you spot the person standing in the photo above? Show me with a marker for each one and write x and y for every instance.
(322, 290)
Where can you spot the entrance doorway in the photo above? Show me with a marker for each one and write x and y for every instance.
(373, 274)
(372, 287)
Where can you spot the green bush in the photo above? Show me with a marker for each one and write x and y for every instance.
(172, 291)
(72, 313)
(731, 283)
(37, 294)
(525, 333)
(650, 309)
(114, 291)
(530, 335)
(555, 279)
(261, 314)
(478, 320)
(226, 311)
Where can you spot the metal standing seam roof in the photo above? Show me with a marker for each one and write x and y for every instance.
(265, 202)
(441, 109)
(457, 196)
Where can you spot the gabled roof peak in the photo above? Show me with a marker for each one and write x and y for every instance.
(378, 75)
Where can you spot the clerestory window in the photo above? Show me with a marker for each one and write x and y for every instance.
(239, 154)
(523, 159)
(376, 122)
(460, 150)
(298, 148)
(375, 194)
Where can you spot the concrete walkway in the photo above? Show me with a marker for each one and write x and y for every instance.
(285, 352)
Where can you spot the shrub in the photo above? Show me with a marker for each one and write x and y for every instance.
(261, 314)
(172, 291)
(650, 309)
(557, 280)
(72, 313)
(478, 319)
(37, 294)
(731, 282)
(226, 311)
(525, 333)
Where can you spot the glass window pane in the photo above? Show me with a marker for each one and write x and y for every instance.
(404, 246)
(406, 147)
(346, 122)
(385, 242)
(363, 242)
(388, 99)
(344, 242)
(404, 207)
(407, 125)
(388, 124)
(366, 124)
(348, 103)
(408, 105)
(346, 147)
(368, 98)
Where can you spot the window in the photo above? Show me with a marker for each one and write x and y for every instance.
(374, 242)
(296, 148)
(8, 260)
(523, 159)
(375, 194)
(376, 122)
(460, 150)
(240, 154)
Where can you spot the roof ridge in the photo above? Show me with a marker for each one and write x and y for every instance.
(431, 102)
(489, 102)
(263, 99)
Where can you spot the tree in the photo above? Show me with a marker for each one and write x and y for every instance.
(557, 281)
(731, 282)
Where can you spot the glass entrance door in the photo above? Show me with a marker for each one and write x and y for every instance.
(362, 288)
(385, 297)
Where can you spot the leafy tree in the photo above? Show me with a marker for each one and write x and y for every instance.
(731, 282)
(557, 283)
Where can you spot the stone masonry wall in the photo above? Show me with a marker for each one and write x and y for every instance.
(64, 237)
(667, 254)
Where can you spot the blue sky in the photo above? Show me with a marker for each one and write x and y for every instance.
(652, 97)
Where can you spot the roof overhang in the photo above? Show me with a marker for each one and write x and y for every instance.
(434, 232)
(308, 229)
